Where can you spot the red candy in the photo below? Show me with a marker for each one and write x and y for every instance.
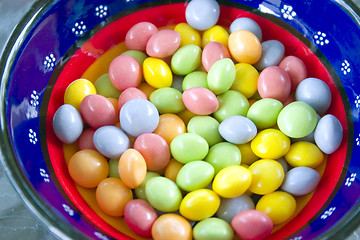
(124, 72)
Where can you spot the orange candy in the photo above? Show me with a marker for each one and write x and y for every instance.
(171, 226)
(170, 125)
(244, 46)
(132, 168)
(172, 169)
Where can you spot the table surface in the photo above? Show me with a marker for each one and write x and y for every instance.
(16, 220)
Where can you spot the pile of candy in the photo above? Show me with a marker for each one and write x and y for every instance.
(193, 120)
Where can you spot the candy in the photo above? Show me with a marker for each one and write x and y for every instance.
(112, 195)
(200, 101)
(97, 111)
(140, 217)
(231, 103)
(215, 34)
(300, 181)
(244, 46)
(247, 154)
(328, 134)
(139, 116)
(171, 226)
(172, 169)
(237, 129)
(85, 140)
(157, 73)
(246, 79)
(221, 76)
(213, 52)
(195, 79)
(188, 35)
(222, 155)
(140, 190)
(163, 43)
(167, 100)
(105, 87)
(170, 126)
(88, 168)
(272, 52)
(77, 90)
(67, 123)
(230, 207)
(138, 35)
(264, 112)
(232, 181)
(124, 72)
(206, 127)
(213, 229)
(199, 204)
(114, 167)
(111, 141)
(186, 59)
(195, 175)
(163, 194)
(132, 168)
(189, 147)
(279, 206)
(314, 92)
(248, 24)
(296, 69)
(204, 19)
(304, 154)
(128, 94)
(138, 55)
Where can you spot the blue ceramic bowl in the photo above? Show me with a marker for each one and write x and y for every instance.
(59, 41)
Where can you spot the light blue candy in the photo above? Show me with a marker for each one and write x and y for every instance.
(111, 141)
(138, 116)
(67, 123)
(272, 52)
(237, 129)
(328, 134)
(248, 24)
(202, 14)
(230, 207)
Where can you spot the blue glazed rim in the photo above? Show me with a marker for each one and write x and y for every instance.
(20, 124)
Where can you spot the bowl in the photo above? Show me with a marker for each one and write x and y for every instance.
(63, 40)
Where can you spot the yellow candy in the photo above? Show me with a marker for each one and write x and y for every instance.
(246, 79)
(215, 34)
(267, 176)
(77, 90)
(270, 143)
(232, 181)
(172, 169)
(157, 73)
(247, 155)
(188, 35)
(199, 204)
(279, 206)
(304, 154)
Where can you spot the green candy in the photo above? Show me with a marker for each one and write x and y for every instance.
(221, 76)
(206, 127)
(231, 103)
(222, 155)
(114, 168)
(138, 55)
(186, 59)
(189, 147)
(195, 175)
(297, 119)
(163, 194)
(264, 112)
(213, 229)
(105, 87)
(167, 100)
(195, 79)
(140, 190)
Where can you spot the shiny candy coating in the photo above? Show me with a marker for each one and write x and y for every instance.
(328, 134)
(246, 79)
(230, 207)
(154, 149)
(140, 190)
(140, 216)
(88, 168)
(167, 100)
(114, 167)
(188, 35)
(163, 194)
(247, 154)
(132, 168)
(279, 206)
(138, 35)
(199, 204)
(206, 127)
(195, 175)
(138, 55)
(300, 181)
(105, 87)
(97, 111)
(139, 116)
(222, 155)
(275, 83)
(170, 126)
(231, 103)
(172, 169)
(244, 46)
(296, 69)
(213, 52)
(264, 112)
(163, 43)
(272, 52)
(200, 101)
(314, 92)
(304, 154)
(171, 226)
(244, 23)
(186, 59)
(128, 94)
(204, 19)
(111, 141)
(124, 72)
(157, 73)
(297, 119)
(221, 76)
(67, 123)
(85, 140)
(213, 229)
(195, 79)
(215, 34)
(77, 90)
(189, 147)
(237, 129)
(252, 224)
(112, 195)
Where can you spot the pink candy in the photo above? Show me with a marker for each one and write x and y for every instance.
(296, 69)
(200, 101)
(163, 43)
(213, 52)
(124, 72)
(130, 93)
(138, 35)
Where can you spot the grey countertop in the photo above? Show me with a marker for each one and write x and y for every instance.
(16, 221)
